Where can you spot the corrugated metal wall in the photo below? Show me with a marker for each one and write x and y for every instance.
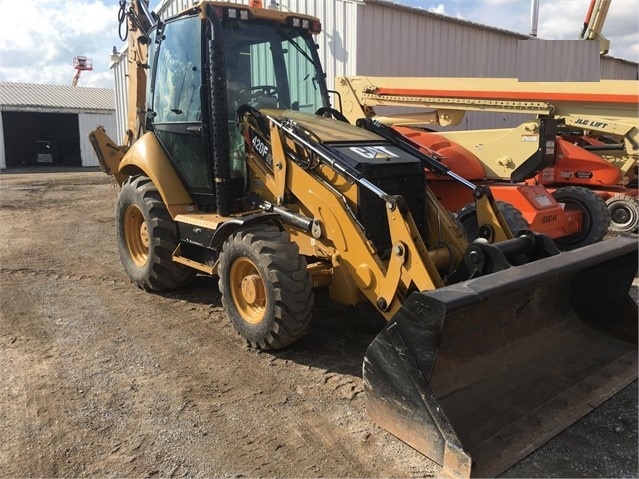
(396, 41)
(558, 60)
(120, 72)
(616, 69)
(87, 122)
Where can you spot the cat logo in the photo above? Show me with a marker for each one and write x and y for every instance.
(374, 152)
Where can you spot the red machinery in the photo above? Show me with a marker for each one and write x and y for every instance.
(81, 64)
(594, 149)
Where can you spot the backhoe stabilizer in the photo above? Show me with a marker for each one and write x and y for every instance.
(478, 374)
(108, 152)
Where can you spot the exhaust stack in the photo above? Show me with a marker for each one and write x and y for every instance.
(534, 17)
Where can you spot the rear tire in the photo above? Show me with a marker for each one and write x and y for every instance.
(266, 290)
(624, 213)
(467, 216)
(146, 238)
(594, 214)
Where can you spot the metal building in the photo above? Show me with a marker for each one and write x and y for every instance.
(44, 125)
(382, 38)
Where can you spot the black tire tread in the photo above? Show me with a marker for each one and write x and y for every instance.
(163, 274)
(467, 217)
(291, 285)
(598, 217)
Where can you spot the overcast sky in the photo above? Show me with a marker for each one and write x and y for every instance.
(40, 37)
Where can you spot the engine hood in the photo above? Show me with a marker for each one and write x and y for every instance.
(355, 146)
(328, 130)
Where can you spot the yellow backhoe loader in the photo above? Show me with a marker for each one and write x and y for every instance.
(230, 168)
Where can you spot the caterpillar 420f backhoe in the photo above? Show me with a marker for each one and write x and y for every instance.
(230, 168)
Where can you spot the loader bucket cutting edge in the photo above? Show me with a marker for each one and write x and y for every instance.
(479, 374)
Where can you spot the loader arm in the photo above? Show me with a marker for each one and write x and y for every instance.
(385, 284)
(303, 168)
(492, 224)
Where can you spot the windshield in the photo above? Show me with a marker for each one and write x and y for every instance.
(272, 67)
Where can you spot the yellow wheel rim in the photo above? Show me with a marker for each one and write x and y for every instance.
(136, 235)
(247, 290)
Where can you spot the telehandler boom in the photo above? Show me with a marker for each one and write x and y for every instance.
(231, 169)
(597, 144)
(594, 23)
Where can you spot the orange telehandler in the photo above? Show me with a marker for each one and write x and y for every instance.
(593, 127)
(230, 169)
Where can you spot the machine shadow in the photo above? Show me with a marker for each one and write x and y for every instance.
(336, 340)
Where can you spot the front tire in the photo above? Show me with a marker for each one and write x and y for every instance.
(594, 215)
(265, 287)
(146, 238)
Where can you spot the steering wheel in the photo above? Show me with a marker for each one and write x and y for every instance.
(329, 112)
(260, 96)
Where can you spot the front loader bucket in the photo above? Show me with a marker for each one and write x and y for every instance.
(478, 374)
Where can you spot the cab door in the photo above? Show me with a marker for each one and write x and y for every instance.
(177, 105)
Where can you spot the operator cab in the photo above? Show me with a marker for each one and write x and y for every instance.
(203, 69)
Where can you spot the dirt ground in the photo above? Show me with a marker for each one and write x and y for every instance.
(101, 379)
